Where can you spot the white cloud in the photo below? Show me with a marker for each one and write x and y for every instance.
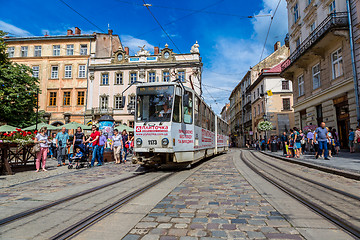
(134, 43)
(13, 30)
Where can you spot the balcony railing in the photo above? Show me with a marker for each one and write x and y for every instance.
(102, 111)
(333, 21)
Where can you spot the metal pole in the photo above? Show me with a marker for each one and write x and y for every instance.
(356, 86)
(37, 108)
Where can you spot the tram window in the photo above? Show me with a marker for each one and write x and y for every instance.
(177, 109)
(207, 118)
(188, 107)
(203, 117)
(196, 112)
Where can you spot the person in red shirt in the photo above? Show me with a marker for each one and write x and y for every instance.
(94, 139)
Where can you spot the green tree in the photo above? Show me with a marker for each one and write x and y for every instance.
(18, 91)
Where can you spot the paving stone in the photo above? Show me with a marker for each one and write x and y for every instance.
(181, 225)
(139, 231)
(200, 220)
(177, 232)
(158, 231)
(212, 226)
(188, 238)
(146, 225)
(257, 222)
(228, 226)
(196, 233)
(164, 225)
(282, 236)
(196, 226)
(181, 220)
(218, 234)
(150, 237)
(269, 230)
(162, 219)
(168, 238)
(238, 221)
(255, 235)
(131, 237)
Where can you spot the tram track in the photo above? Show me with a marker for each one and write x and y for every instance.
(338, 206)
(18, 216)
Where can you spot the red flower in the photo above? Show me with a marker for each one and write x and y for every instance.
(33, 138)
(29, 133)
(18, 129)
(5, 134)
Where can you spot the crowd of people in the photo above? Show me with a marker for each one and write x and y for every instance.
(324, 142)
(62, 146)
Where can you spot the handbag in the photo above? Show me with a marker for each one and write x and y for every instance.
(36, 148)
(302, 141)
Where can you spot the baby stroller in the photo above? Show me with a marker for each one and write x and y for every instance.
(79, 159)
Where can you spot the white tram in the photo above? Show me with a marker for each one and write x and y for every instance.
(174, 126)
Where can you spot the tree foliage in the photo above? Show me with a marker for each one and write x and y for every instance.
(18, 91)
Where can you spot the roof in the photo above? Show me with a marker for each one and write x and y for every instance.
(45, 38)
(276, 69)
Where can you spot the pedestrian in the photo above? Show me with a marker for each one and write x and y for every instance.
(302, 141)
(310, 141)
(294, 146)
(131, 142)
(284, 139)
(62, 139)
(321, 136)
(329, 141)
(125, 137)
(357, 136)
(117, 146)
(94, 140)
(102, 143)
(351, 140)
(297, 142)
(336, 141)
(53, 146)
(79, 139)
(42, 139)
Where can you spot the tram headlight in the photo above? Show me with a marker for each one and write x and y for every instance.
(138, 141)
(165, 141)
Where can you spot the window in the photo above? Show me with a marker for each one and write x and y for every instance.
(285, 85)
(188, 107)
(56, 50)
(258, 92)
(52, 99)
(181, 75)
(66, 101)
(254, 95)
(296, 12)
(37, 51)
(133, 77)
(118, 102)
(35, 71)
(81, 98)
(151, 76)
(332, 7)
(297, 42)
(286, 103)
(301, 85)
(68, 70)
(70, 49)
(24, 51)
(11, 51)
(82, 71)
(105, 79)
(83, 49)
(104, 102)
(337, 63)
(312, 27)
(316, 76)
(131, 105)
(166, 76)
(197, 115)
(177, 109)
(262, 89)
(131, 124)
(54, 72)
(118, 78)
(259, 109)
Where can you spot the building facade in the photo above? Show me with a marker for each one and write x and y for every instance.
(111, 76)
(61, 64)
(272, 101)
(320, 65)
(235, 116)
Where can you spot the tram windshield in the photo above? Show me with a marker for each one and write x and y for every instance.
(154, 103)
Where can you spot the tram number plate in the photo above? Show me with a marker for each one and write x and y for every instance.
(152, 142)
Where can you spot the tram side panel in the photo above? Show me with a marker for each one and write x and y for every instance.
(183, 142)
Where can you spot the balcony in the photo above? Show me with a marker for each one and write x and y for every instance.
(333, 22)
(102, 111)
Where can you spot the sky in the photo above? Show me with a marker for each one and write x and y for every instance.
(230, 42)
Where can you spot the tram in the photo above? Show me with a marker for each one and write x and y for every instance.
(175, 127)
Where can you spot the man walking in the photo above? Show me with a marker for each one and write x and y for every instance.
(284, 139)
(321, 136)
(62, 138)
(102, 142)
(94, 140)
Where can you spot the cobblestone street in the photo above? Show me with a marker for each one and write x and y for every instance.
(215, 202)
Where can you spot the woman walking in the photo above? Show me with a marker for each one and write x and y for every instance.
(42, 139)
(79, 139)
(302, 141)
(117, 146)
(125, 139)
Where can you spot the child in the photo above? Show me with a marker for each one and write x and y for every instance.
(70, 151)
(291, 148)
(287, 148)
(78, 154)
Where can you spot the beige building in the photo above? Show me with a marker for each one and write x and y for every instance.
(61, 64)
(235, 115)
(111, 76)
(272, 100)
(320, 65)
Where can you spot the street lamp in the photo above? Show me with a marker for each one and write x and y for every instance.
(265, 119)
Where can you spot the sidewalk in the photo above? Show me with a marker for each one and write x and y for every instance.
(343, 161)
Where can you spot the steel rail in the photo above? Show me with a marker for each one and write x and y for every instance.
(100, 214)
(342, 223)
(38, 209)
(309, 180)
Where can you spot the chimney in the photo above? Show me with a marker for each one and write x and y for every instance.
(156, 50)
(69, 32)
(127, 50)
(77, 31)
(277, 46)
(46, 34)
(110, 31)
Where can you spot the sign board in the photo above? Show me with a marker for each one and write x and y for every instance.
(269, 93)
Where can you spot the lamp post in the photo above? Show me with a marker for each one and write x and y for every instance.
(265, 119)
(37, 109)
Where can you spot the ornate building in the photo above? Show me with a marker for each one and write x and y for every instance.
(111, 76)
(61, 64)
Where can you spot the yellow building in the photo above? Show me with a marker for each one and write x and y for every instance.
(61, 64)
